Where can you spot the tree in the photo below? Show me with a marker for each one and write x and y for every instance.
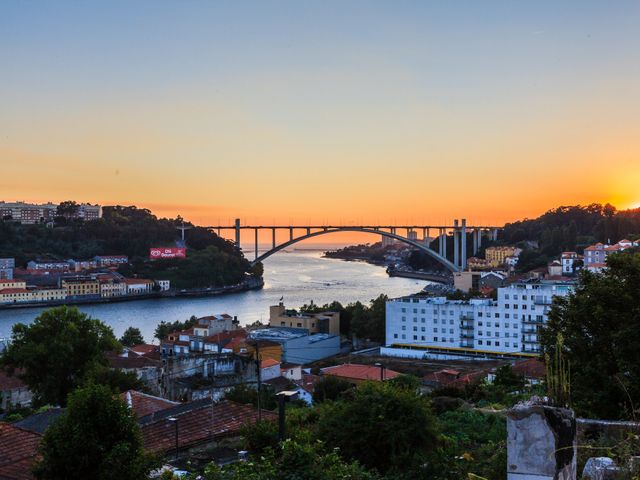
(382, 427)
(507, 379)
(599, 325)
(96, 437)
(67, 209)
(57, 351)
(330, 387)
(247, 394)
(292, 461)
(165, 328)
(131, 336)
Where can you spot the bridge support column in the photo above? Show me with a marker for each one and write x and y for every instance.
(474, 236)
(273, 237)
(463, 249)
(290, 233)
(479, 238)
(238, 233)
(425, 236)
(495, 234)
(444, 243)
(256, 232)
(456, 247)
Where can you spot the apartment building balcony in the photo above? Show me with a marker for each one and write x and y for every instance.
(466, 335)
(533, 322)
(531, 341)
(466, 326)
(532, 350)
(542, 300)
(533, 329)
(466, 344)
(466, 316)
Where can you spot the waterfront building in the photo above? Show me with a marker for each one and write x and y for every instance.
(81, 287)
(323, 322)
(138, 286)
(213, 324)
(508, 325)
(112, 288)
(30, 213)
(497, 256)
(80, 265)
(12, 283)
(469, 280)
(21, 294)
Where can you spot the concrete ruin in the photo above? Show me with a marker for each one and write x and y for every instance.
(541, 442)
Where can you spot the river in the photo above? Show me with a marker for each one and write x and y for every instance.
(298, 276)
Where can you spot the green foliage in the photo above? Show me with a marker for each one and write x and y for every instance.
(96, 437)
(259, 436)
(330, 387)
(131, 336)
(471, 442)
(508, 379)
(292, 461)
(407, 382)
(381, 426)
(599, 324)
(130, 231)
(247, 394)
(57, 351)
(558, 375)
(165, 328)
(115, 379)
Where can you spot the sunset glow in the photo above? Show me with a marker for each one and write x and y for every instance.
(420, 114)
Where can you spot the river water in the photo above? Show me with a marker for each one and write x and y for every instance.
(299, 276)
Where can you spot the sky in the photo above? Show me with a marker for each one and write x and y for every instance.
(336, 111)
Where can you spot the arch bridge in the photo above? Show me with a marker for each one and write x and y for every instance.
(460, 232)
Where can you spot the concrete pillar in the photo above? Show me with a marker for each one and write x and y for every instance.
(463, 245)
(474, 236)
(495, 234)
(479, 238)
(456, 247)
(541, 443)
(440, 235)
(290, 233)
(444, 244)
(256, 232)
(273, 237)
(308, 231)
(237, 233)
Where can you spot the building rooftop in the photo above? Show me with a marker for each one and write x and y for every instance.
(198, 422)
(144, 404)
(359, 372)
(10, 382)
(269, 362)
(39, 422)
(18, 451)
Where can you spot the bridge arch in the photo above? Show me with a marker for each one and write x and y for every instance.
(449, 265)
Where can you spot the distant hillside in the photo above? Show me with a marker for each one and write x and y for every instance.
(211, 260)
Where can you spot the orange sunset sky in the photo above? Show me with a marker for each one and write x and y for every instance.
(342, 112)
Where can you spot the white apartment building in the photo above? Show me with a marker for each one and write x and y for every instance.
(508, 325)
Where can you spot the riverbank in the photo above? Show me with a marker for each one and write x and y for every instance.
(432, 277)
(248, 284)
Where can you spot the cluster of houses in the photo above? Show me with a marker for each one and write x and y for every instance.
(53, 281)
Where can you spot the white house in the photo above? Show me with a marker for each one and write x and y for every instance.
(269, 368)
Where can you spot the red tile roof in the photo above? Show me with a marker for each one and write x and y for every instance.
(132, 361)
(269, 362)
(14, 290)
(144, 348)
(530, 368)
(144, 404)
(11, 280)
(359, 372)
(18, 450)
(196, 426)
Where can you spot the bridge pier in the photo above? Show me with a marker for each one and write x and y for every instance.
(256, 232)
(237, 233)
(290, 233)
(474, 237)
(463, 250)
(273, 237)
(456, 247)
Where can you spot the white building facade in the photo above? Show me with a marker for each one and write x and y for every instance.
(508, 325)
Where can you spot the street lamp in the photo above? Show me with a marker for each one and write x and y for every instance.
(283, 397)
(174, 420)
(381, 366)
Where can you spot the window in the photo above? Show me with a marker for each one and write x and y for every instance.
(404, 319)
(435, 330)
(451, 322)
(479, 324)
(497, 344)
(506, 305)
(497, 325)
(404, 336)
(415, 337)
(479, 342)
(422, 320)
(506, 296)
(488, 342)
(423, 329)
(422, 311)
(524, 307)
(443, 330)
(395, 335)
(506, 344)
(497, 315)
(435, 321)
(506, 315)
(404, 327)
(415, 319)
(403, 310)
(451, 330)
(480, 333)
(415, 329)
(479, 314)
(435, 339)
(422, 338)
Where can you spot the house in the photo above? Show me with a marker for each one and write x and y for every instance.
(291, 371)
(269, 369)
(39, 422)
(200, 425)
(13, 391)
(305, 387)
(533, 370)
(111, 260)
(143, 404)
(595, 256)
(18, 452)
(147, 370)
(554, 268)
(298, 346)
(452, 378)
(355, 373)
(569, 261)
(138, 286)
(322, 322)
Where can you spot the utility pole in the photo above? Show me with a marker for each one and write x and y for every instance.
(259, 380)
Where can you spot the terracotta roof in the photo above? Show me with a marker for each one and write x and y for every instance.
(359, 372)
(144, 348)
(10, 382)
(195, 426)
(453, 378)
(227, 336)
(269, 362)
(14, 290)
(137, 281)
(132, 361)
(11, 280)
(530, 368)
(18, 449)
(144, 404)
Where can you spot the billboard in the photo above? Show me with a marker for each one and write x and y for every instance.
(167, 252)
